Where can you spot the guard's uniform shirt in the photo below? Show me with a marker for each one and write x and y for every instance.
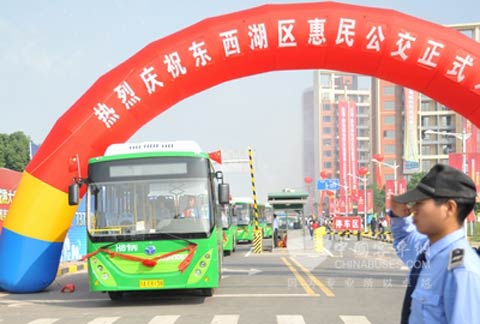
(448, 288)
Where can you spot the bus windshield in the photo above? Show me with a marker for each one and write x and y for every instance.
(145, 209)
(243, 214)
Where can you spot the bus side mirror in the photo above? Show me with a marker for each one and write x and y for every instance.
(73, 194)
(223, 193)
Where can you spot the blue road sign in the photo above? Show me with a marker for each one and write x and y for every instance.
(328, 184)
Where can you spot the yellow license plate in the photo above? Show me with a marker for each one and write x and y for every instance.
(154, 283)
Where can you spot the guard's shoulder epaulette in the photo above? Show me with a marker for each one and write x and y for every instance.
(456, 258)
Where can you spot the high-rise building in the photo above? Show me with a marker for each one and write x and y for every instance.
(406, 128)
(387, 129)
(441, 130)
(322, 126)
(308, 134)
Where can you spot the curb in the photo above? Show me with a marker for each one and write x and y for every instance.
(376, 238)
(70, 267)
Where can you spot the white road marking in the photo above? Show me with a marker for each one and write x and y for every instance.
(17, 303)
(328, 252)
(250, 271)
(225, 319)
(290, 319)
(347, 319)
(164, 319)
(262, 295)
(104, 320)
(248, 253)
(44, 321)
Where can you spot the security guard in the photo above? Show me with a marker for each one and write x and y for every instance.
(444, 282)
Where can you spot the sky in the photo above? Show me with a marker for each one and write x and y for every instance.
(51, 52)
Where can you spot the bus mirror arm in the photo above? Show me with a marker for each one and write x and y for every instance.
(219, 176)
(223, 193)
(74, 191)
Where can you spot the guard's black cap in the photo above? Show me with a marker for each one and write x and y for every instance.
(442, 181)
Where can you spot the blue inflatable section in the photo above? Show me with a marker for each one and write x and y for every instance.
(25, 259)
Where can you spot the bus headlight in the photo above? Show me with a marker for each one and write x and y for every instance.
(201, 268)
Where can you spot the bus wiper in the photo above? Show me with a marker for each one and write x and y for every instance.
(110, 244)
(178, 238)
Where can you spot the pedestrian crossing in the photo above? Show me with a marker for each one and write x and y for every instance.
(217, 319)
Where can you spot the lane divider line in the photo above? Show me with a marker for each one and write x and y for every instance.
(314, 279)
(299, 278)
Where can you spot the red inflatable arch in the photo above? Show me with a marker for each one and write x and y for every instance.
(432, 59)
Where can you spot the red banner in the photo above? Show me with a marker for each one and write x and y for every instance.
(353, 156)
(361, 199)
(472, 161)
(351, 223)
(390, 190)
(471, 144)
(401, 186)
(343, 150)
(331, 204)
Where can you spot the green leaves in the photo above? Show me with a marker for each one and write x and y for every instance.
(14, 151)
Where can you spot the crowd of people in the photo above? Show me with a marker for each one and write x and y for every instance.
(377, 225)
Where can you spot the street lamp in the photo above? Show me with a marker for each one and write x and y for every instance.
(394, 166)
(364, 180)
(463, 136)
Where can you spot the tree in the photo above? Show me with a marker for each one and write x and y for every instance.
(3, 144)
(414, 180)
(378, 198)
(14, 151)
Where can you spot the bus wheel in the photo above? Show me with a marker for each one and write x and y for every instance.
(115, 295)
(208, 292)
(227, 252)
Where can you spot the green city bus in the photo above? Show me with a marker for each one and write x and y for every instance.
(244, 213)
(153, 218)
(229, 226)
(268, 220)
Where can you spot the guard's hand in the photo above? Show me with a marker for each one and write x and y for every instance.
(400, 210)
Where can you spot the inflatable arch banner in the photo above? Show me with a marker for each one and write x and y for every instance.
(432, 59)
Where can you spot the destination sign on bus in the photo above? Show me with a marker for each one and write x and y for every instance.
(147, 169)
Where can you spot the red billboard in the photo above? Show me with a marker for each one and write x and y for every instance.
(390, 190)
(351, 223)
